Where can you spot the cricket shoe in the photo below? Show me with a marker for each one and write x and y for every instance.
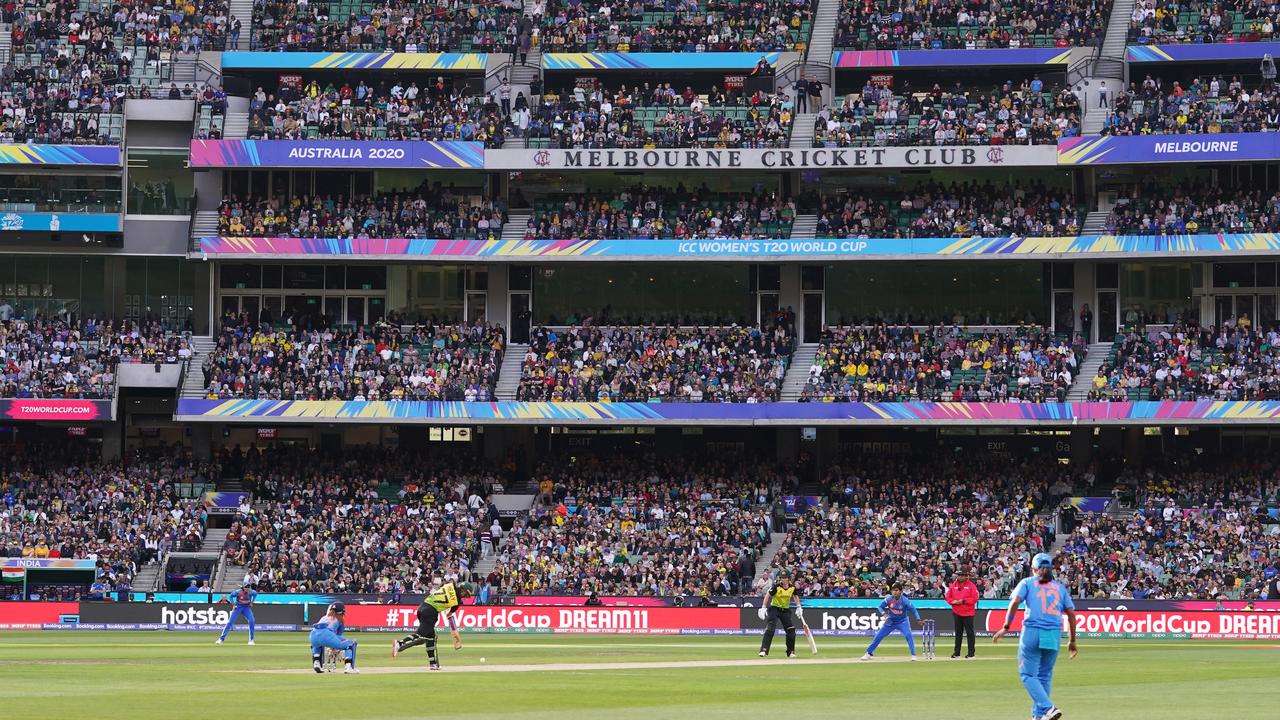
(433, 666)
(395, 648)
(764, 654)
(866, 656)
(955, 657)
(218, 641)
(317, 667)
(914, 658)
(349, 670)
(791, 654)
(1052, 714)
(250, 642)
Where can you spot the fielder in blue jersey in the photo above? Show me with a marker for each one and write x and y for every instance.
(243, 599)
(897, 611)
(1047, 600)
(328, 634)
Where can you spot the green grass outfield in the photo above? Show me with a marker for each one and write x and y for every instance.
(147, 675)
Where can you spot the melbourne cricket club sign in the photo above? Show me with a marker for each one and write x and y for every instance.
(772, 158)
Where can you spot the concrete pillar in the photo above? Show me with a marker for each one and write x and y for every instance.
(826, 449)
(113, 438)
(496, 306)
(398, 287)
(668, 441)
(787, 444)
(1134, 446)
(1081, 446)
(202, 441)
(789, 293)
(114, 284)
(1086, 293)
(1206, 300)
(202, 297)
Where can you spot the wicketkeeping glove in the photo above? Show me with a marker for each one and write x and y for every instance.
(762, 613)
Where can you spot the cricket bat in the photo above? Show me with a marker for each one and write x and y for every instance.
(808, 635)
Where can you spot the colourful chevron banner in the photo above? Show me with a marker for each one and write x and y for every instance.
(950, 58)
(1132, 149)
(437, 155)
(565, 250)
(780, 413)
(657, 61)
(1200, 52)
(353, 61)
(16, 154)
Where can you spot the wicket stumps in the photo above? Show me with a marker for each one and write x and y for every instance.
(929, 638)
(332, 660)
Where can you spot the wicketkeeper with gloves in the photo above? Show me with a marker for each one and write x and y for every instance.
(776, 607)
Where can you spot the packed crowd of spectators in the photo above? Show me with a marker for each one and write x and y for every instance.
(1027, 114)
(38, 103)
(675, 26)
(102, 42)
(431, 211)
(644, 212)
(54, 358)
(885, 363)
(590, 363)
(1197, 208)
(956, 210)
(363, 520)
(1210, 104)
(881, 25)
(1199, 21)
(389, 25)
(919, 518)
(1198, 530)
(72, 65)
(1234, 361)
(383, 362)
(652, 525)
(655, 116)
(343, 110)
(65, 502)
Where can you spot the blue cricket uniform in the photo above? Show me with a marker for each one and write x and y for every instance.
(243, 599)
(1041, 637)
(896, 610)
(328, 634)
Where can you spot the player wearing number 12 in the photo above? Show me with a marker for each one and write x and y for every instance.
(1047, 600)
